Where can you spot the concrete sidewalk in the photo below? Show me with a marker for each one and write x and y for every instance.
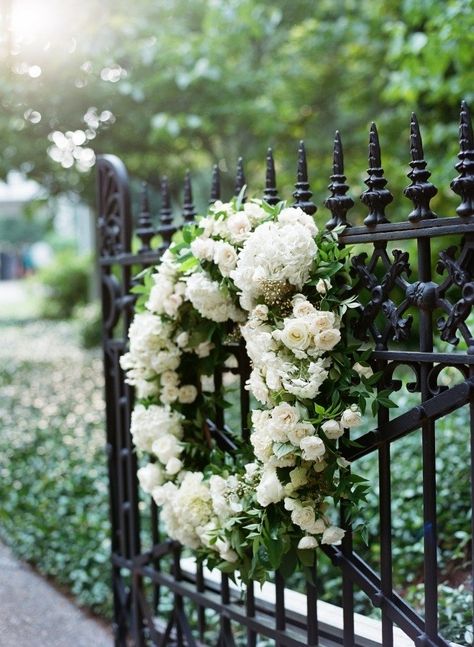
(34, 614)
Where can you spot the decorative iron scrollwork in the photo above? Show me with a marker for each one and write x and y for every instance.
(460, 274)
(380, 292)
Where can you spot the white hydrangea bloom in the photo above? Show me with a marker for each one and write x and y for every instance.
(209, 300)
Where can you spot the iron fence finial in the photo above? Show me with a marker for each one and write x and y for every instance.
(376, 197)
(338, 202)
(215, 185)
(463, 184)
(302, 193)
(145, 230)
(270, 195)
(420, 191)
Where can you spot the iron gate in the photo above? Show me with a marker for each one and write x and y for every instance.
(154, 589)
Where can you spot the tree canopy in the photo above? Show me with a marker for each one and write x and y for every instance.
(173, 84)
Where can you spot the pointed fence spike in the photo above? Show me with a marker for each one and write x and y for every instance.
(463, 184)
(270, 195)
(302, 193)
(166, 228)
(240, 180)
(420, 191)
(416, 143)
(338, 202)
(215, 184)
(376, 197)
(188, 207)
(145, 230)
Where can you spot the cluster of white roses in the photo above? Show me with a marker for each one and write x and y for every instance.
(266, 260)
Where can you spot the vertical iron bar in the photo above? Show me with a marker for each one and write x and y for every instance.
(280, 615)
(385, 511)
(201, 610)
(429, 456)
(155, 538)
(312, 607)
(250, 611)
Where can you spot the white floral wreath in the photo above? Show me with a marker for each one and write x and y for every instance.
(267, 274)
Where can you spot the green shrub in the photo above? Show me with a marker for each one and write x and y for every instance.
(65, 285)
(89, 321)
(53, 488)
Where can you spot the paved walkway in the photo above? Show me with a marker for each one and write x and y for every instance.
(34, 614)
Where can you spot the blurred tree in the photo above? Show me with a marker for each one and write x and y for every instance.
(173, 84)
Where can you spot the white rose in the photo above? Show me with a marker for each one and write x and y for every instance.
(301, 430)
(171, 304)
(169, 378)
(225, 257)
(182, 339)
(303, 517)
(225, 551)
(323, 285)
(169, 394)
(327, 339)
(203, 349)
(313, 448)
(284, 417)
(187, 394)
(203, 248)
(364, 371)
(299, 477)
(308, 542)
(322, 320)
(165, 448)
(260, 311)
(173, 466)
(351, 417)
(254, 211)
(251, 469)
(239, 227)
(269, 490)
(296, 334)
(150, 476)
(333, 535)
(332, 429)
(303, 308)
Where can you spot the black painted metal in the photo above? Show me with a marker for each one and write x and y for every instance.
(391, 288)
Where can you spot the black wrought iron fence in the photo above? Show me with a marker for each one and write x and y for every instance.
(161, 598)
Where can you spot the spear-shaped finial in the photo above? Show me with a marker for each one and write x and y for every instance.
(166, 228)
(302, 193)
(463, 185)
(338, 202)
(240, 180)
(145, 230)
(376, 197)
(188, 207)
(215, 184)
(420, 190)
(270, 195)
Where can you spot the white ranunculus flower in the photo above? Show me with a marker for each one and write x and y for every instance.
(203, 248)
(269, 490)
(173, 466)
(166, 447)
(351, 417)
(172, 303)
(169, 378)
(239, 227)
(283, 418)
(323, 285)
(364, 371)
(251, 469)
(254, 212)
(327, 339)
(333, 535)
(204, 349)
(307, 543)
(187, 394)
(332, 429)
(169, 394)
(313, 448)
(150, 476)
(256, 385)
(298, 477)
(296, 334)
(225, 257)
